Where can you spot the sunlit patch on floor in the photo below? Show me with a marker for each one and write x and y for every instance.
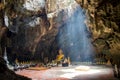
(80, 70)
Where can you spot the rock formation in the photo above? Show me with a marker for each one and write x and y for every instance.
(7, 74)
(104, 24)
(34, 33)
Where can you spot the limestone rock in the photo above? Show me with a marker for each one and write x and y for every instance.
(7, 74)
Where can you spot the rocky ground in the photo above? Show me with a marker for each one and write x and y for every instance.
(6, 74)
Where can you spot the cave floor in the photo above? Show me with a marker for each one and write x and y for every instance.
(76, 72)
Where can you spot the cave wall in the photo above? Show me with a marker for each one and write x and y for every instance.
(26, 33)
(3, 29)
(104, 23)
(7, 74)
(40, 41)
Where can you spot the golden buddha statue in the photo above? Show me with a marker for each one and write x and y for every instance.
(60, 56)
